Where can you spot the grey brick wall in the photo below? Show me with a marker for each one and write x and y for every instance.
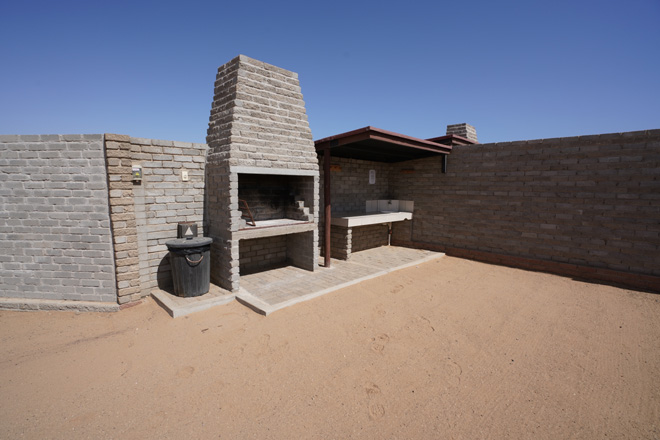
(590, 200)
(341, 242)
(350, 184)
(145, 214)
(367, 237)
(55, 240)
(164, 199)
(350, 190)
(262, 253)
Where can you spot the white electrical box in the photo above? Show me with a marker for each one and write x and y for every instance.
(137, 173)
(184, 175)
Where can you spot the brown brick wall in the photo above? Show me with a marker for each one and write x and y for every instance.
(589, 201)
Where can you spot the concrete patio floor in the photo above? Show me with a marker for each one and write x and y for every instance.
(275, 289)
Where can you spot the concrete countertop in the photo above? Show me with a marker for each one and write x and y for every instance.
(349, 220)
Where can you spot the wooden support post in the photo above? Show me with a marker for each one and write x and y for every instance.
(328, 206)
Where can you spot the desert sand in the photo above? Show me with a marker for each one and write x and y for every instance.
(450, 349)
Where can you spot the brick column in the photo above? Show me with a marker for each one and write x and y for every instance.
(122, 216)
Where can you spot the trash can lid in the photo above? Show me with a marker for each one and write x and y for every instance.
(184, 243)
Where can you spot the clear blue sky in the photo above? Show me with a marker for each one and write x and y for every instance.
(513, 69)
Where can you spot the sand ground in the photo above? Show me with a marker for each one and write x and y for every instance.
(449, 349)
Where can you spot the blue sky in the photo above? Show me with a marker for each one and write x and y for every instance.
(513, 69)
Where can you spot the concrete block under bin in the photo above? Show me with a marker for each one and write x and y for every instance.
(191, 265)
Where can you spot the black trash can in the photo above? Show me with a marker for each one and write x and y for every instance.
(191, 265)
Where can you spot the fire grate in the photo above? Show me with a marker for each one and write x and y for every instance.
(246, 213)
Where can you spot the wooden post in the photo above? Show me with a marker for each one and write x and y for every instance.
(328, 207)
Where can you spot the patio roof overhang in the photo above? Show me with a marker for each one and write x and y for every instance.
(374, 144)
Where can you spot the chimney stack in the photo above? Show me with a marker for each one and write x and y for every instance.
(463, 130)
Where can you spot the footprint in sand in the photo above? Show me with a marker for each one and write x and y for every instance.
(239, 350)
(396, 289)
(419, 323)
(375, 409)
(372, 389)
(264, 342)
(378, 311)
(185, 372)
(378, 343)
(455, 371)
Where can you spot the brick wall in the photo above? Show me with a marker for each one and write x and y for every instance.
(350, 190)
(262, 253)
(55, 241)
(145, 214)
(341, 242)
(588, 204)
(350, 184)
(371, 236)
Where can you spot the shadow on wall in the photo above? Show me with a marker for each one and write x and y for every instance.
(164, 275)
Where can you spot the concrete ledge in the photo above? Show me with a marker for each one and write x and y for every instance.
(273, 171)
(247, 299)
(25, 304)
(351, 221)
(177, 306)
(291, 227)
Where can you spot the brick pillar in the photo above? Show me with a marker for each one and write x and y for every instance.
(463, 130)
(122, 216)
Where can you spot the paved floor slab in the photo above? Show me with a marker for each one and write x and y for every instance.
(275, 289)
(271, 290)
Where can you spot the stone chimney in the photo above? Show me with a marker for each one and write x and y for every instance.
(262, 175)
(463, 130)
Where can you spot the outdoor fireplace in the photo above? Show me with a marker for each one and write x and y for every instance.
(262, 173)
(268, 200)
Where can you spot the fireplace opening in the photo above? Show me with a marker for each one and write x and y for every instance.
(274, 200)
